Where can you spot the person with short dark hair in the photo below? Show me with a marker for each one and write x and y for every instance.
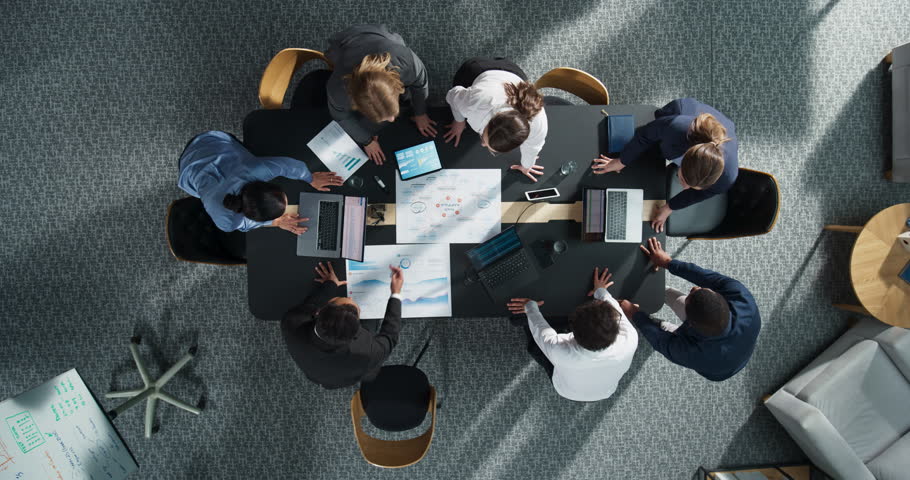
(586, 364)
(494, 97)
(720, 320)
(327, 339)
(234, 187)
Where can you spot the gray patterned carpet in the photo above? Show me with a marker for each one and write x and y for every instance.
(98, 98)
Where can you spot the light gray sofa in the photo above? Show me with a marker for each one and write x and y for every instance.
(849, 410)
(900, 115)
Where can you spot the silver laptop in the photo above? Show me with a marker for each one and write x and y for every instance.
(623, 208)
(337, 226)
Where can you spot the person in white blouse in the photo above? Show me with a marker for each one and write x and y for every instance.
(494, 97)
(589, 361)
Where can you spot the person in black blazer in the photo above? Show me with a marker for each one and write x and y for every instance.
(327, 340)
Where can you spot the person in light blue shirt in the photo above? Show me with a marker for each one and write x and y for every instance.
(233, 183)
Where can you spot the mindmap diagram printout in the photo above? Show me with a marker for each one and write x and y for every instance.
(427, 290)
(449, 206)
(57, 430)
(337, 150)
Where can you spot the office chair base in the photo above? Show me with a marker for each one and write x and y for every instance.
(152, 391)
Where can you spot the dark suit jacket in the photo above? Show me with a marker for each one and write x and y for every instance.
(337, 365)
(346, 50)
(669, 131)
(715, 358)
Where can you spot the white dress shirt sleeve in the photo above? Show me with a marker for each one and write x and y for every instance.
(531, 147)
(459, 100)
(550, 342)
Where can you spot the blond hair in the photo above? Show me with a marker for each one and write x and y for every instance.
(703, 162)
(374, 86)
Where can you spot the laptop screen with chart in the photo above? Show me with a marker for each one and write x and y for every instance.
(418, 160)
(337, 150)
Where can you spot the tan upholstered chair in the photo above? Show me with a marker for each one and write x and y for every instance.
(581, 84)
(278, 73)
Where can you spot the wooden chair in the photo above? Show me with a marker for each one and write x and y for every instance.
(192, 236)
(581, 84)
(392, 453)
(278, 73)
(394, 401)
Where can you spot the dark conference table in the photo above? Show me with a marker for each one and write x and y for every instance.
(278, 279)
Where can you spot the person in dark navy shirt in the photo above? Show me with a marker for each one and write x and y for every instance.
(695, 136)
(720, 320)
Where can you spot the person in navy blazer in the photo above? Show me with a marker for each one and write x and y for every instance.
(693, 135)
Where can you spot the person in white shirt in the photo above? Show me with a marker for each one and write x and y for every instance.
(494, 97)
(589, 361)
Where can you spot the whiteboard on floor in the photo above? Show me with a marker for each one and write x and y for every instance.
(58, 431)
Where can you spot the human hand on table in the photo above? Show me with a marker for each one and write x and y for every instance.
(425, 125)
(517, 305)
(659, 257)
(533, 169)
(374, 151)
(397, 279)
(658, 222)
(455, 129)
(325, 272)
(290, 222)
(601, 280)
(628, 308)
(605, 164)
(323, 180)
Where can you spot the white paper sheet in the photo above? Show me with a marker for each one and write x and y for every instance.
(427, 290)
(449, 206)
(337, 150)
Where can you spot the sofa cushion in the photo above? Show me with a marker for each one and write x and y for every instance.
(865, 398)
(893, 463)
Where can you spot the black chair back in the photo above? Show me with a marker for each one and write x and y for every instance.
(193, 236)
(753, 203)
(397, 399)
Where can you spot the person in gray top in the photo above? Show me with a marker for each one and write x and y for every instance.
(373, 68)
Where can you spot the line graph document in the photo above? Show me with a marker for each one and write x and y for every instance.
(427, 290)
(449, 206)
(337, 150)
(57, 430)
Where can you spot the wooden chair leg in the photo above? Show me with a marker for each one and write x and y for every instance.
(852, 308)
(888, 175)
(844, 228)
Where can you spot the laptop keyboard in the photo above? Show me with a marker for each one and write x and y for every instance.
(616, 216)
(328, 226)
(505, 269)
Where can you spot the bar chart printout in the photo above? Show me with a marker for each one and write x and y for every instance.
(337, 150)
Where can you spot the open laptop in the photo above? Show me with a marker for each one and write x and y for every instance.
(337, 226)
(622, 222)
(503, 264)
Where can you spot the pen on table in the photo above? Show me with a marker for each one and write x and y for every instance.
(381, 184)
(604, 113)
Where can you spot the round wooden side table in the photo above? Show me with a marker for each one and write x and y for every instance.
(875, 263)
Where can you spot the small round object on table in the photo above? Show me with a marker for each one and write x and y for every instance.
(559, 247)
(876, 261)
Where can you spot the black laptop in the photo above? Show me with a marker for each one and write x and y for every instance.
(503, 264)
